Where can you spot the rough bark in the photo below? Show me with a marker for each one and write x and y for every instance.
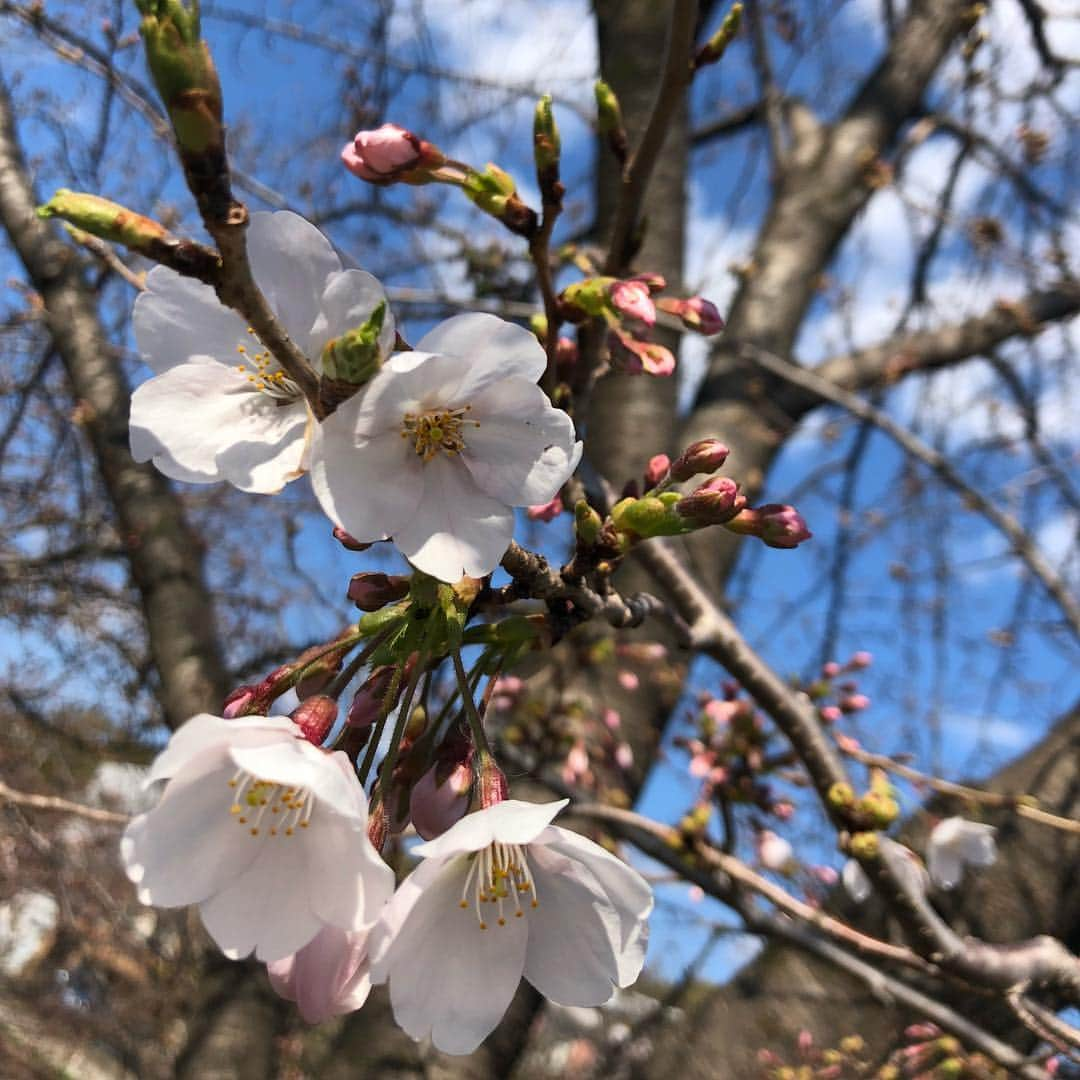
(163, 552)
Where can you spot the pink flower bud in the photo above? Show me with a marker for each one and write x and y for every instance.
(717, 501)
(624, 756)
(577, 760)
(922, 1031)
(830, 670)
(806, 1041)
(827, 875)
(629, 681)
(784, 810)
(566, 353)
(636, 357)
(703, 456)
(385, 154)
(632, 300)
(696, 313)
(656, 470)
(237, 702)
(830, 714)
(778, 526)
(367, 704)
(372, 590)
(435, 806)
(721, 712)
(695, 894)
(861, 660)
(612, 719)
(548, 511)
(855, 703)
(315, 717)
(653, 282)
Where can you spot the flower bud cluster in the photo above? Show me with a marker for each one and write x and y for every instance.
(849, 1059)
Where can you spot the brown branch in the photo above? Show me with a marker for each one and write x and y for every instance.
(63, 806)
(673, 84)
(1017, 536)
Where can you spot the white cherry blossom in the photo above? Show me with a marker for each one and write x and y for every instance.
(218, 406)
(858, 886)
(955, 843)
(443, 443)
(264, 831)
(505, 893)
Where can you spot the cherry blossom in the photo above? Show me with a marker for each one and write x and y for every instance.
(328, 977)
(443, 443)
(505, 893)
(219, 407)
(264, 831)
(858, 886)
(955, 843)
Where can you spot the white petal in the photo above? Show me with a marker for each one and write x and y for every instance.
(570, 957)
(448, 978)
(348, 884)
(189, 846)
(523, 450)
(291, 261)
(979, 847)
(205, 732)
(510, 822)
(456, 529)
(347, 302)
(493, 349)
(395, 914)
(296, 763)
(265, 908)
(204, 422)
(628, 893)
(855, 881)
(945, 867)
(178, 320)
(370, 489)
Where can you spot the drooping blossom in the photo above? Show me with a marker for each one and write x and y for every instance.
(440, 798)
(955, 843)
(502, 894)
(443, 443)
(329, 976)
(261, 829)
(219, 407)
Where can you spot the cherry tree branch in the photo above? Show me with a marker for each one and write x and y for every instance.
(63, 806)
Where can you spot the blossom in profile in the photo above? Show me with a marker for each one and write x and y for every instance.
(505, 893)
(955, 843)
(219, 407)
(264, 831)
(329, 976)
(443, 443)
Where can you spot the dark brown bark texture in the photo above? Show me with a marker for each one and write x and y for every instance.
(164, 554)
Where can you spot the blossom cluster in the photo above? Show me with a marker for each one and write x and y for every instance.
(269, 835)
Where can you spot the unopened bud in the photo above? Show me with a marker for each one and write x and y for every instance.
(315, 717)
(716, 502)
(703, 456)
(647, 517)
(356, 356)
(636, 357)
(546, 142)
(369, 701)
(632, 300)
(716, 46)
(236, 704)
(879, 808)
(490, 781)
(657, 470)
(494, 192)
(864, 845)
(861, 660)
(696, 313)
(436, 804)
(587, 523)
(372, 590)
(840, 796)
(609, 120)
(389, 154)
(778, 526)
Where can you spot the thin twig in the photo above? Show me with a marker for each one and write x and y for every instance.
(63, 806)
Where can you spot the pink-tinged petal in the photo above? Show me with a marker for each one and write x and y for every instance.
(457, 529)
(348, 884)
(298, 764)
(491, 349)
(178, 320)
(396, 912)
(291, 261)
(189, 846)
(522, 450)
(508, 822)
(348, 301)
(327, 977)
(371, 489)
(202, 423)
(265, 909)
(570, 957)
(449, 979)
(629, 894)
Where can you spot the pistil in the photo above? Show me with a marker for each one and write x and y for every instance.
(437, 430)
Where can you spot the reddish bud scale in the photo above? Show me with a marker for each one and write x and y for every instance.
(657, 470)
(716, 502)
(378, 825)
(237, 703)
(703, 456)
(315, 717)
(348, 542)
(490, 781)
(372, 590)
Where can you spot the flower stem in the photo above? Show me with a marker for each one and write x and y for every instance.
(376, 735)
(476, 725)
(386, 769)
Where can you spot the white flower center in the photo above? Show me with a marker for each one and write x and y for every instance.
(435, 430)
(263, 374)
(497, 874)
(289, 808)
